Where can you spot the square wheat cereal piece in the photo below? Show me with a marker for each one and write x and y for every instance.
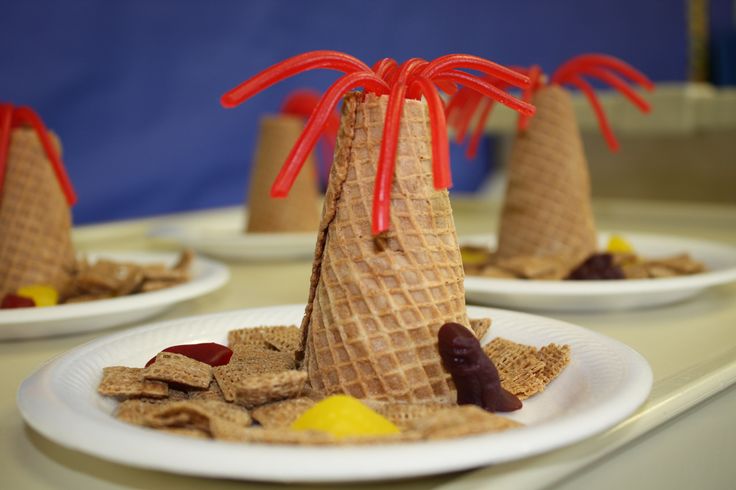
(125, 382)
(462, 420)
(134, 411)
(273, 436)
(149, 285)
(282, 338)
(403, 415)
(555, 358)
(283, 413)
(213, 392)
(186, 431)
(196, 414)
(480, 326)
(247, 336)
(182, 370)
(518, 366)
(259, 389)
(256, 360)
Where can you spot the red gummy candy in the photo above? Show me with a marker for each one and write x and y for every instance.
(11, 300)
(208, 352)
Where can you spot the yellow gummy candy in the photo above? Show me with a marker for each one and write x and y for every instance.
(41, 294)
(344, 416)
(618, 244)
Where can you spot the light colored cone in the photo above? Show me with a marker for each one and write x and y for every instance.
(375, 305)
(547, 209)
(299, 212)
(35, 221)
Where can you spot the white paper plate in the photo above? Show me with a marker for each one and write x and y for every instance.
(605, 382)
(23, 323)
(586, 296)
(222, 236)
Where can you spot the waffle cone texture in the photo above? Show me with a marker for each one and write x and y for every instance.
(299, 212)
(547, 209)
(376, 303)
(35, 221)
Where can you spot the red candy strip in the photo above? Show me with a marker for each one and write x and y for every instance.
(389, 143)
(208, 352)
(6, 120)
(600, 113)
(489, 90)
(618, 84)
(486, 106)
(438, 126)
(303, 147)
(313, 60)
(26, 115)
(449, 62)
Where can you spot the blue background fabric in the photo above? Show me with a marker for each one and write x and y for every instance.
(133, 87)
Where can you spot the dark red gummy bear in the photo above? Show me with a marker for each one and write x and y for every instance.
(11, 300)
(208, 352)
(597, 266)
(476, 378)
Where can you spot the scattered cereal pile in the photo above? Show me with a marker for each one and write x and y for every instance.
(259, 393)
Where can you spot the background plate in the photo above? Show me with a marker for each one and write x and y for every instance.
(604, 383)
(207, 275)
(586, 296)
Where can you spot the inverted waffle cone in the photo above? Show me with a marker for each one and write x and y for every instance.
(375, 304)
(35, 221)
(547, 209)
(299, 212)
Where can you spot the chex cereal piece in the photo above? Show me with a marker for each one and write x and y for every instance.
(259, 336)
(179, 369)
(175, 395)
(83, 298)
(275, 436)
(258, 389)
(282, 338)
(197, 414)
(256, 360)
(480, 326)
(555, 358)
(186, 431)
(127, 382)
(518, 366)
(283, 413)
(213, 392)
(463, 420)
(403, 415)
(149, 285)
(134, 411)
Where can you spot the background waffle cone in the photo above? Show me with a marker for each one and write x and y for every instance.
(35, 221)
(547, 209)
(376, 304)
(300, 210)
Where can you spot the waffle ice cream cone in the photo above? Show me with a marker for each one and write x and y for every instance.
(547, 209)
(376, 303)
(35, 221)
(299, 212)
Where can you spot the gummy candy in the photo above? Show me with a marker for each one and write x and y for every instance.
(41, 294)
(11, 300)
(619, 245)
(344, 416)
(207, 352)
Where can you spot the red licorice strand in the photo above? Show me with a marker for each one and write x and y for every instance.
(485, 110)
(595, 103)
(456, 103)
(438, 125)
(466, 116)
(619, 84)
(574, 65)
(314, 126)
(535, 72)
(26, 115)
(312, 60)
(6, 119)
(449, 63)
(449, 88)
(490, 90)
(416, 65)
(384, 66)
(389, 144)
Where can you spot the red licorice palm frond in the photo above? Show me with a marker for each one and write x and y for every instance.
(301, 103)
(412, 79)
(13, 117)
(603, 68)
